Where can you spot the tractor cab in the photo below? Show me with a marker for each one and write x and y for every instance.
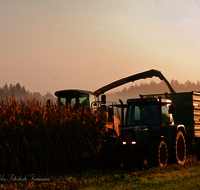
(75, 98)
(148, 111)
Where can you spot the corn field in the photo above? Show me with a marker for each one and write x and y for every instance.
(35, 138)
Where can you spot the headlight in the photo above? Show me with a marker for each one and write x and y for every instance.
(133, 142)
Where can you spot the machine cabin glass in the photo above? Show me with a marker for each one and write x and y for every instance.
(75, 99)
(142, 115)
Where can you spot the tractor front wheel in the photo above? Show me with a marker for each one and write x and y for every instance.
(158, 153)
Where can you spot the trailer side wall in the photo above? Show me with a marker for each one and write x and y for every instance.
(187, 110)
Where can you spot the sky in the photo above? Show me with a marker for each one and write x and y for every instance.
(50, 45)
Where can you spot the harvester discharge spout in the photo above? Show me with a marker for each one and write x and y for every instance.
(143, 75)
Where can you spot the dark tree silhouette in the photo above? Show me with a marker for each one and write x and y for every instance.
(132, 92)
(19, 92)
(152, 88)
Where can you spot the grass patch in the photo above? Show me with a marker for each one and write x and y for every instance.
(169, 177)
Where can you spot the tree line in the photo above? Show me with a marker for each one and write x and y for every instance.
(19, 92)
(152, 88)
(132, 92)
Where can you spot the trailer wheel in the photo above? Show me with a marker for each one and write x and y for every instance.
(179, 149)
(158, 153)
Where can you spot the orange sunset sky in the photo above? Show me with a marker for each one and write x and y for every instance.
(49, 45)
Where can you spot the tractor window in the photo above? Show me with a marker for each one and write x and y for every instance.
(142, 114)
(165, 115)
(137, 112)
(70, 100)
(62, 102)
(83, 100)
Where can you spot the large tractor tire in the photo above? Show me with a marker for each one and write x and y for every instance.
(179, 149)
(158, 153)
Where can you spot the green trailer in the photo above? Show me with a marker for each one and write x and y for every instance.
(186, 112)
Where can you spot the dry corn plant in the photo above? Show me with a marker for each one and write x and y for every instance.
(35, 138)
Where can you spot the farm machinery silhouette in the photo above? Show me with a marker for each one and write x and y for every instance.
(161, 128)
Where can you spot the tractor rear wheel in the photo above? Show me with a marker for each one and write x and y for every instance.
(158, 153)
(179, 149)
